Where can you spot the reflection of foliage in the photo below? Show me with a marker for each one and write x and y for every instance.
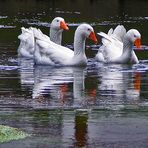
(9, 133)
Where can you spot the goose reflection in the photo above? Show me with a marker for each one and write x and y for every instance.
(63, 84)
(75, 128)
(52, 83)
(81, 130)
(78, 85)
(26, 71)
(119, 86)
(84, 88)
(58, 81)
(107, 86)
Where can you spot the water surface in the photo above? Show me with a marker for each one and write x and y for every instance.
(101, 105)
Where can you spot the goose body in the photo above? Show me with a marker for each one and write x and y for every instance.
(26, 47)
(115, 44)
(59, 55)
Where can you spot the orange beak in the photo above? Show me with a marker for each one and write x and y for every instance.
(63, 25)
(137, 43)
(92, 36)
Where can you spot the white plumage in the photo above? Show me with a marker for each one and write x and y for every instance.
(26, 47)
(49, 53)
(115, 44)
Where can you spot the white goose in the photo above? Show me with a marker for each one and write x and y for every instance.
(117, 46)
(49, 53)
(26, 47)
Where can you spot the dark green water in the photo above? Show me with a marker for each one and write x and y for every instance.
(101, 105)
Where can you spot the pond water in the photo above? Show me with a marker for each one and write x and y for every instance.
(101, 105)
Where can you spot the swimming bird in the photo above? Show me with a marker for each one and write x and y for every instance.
(49, 53)
(26, 47)
(117, 46)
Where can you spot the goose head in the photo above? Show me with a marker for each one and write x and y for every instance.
(59, 23)
(86, 31)
(134, 37)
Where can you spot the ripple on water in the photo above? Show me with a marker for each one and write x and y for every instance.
(5, 26)
(7, 67)
(45, 24)
(3, 17)
(68, 12)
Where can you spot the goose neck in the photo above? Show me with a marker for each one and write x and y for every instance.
(56, 35)
(79, 44)
(127, 45)
(127, 51)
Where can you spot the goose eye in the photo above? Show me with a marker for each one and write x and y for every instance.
(88, 29)
(57, 20)
(135, 36)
